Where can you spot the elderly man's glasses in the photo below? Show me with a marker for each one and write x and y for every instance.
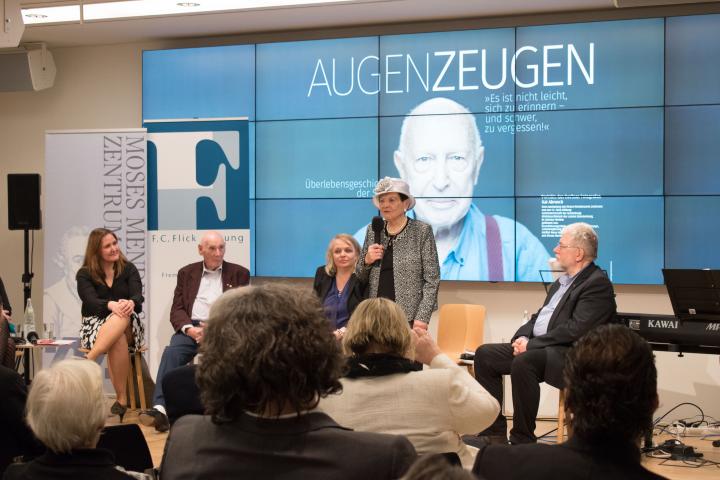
(560, 245)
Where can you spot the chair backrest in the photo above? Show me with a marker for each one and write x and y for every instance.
(182, 395)
(460, 328)
(128, 445)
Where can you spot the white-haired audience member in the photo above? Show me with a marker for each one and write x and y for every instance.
(66, 412)
(384, 392)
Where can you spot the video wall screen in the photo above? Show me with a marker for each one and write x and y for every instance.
(519, 131)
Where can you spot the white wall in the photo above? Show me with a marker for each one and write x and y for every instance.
(100, 87)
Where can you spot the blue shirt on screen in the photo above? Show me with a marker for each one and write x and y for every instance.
(468, 259)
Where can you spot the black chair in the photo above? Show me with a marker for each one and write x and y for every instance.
(128, 445)
(182, 395)
(7, 346)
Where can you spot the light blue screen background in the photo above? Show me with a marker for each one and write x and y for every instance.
(692, 66)
(212, 82)
(291, 236)
(293, 152)
(692, 149)
(628, 62)
(690, 229)
(606, 152)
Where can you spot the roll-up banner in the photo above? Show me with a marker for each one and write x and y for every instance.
(198, 181)
(93, 178)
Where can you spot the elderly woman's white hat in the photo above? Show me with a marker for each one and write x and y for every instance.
(393, 185)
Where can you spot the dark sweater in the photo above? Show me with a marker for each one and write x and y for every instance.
(95, 296)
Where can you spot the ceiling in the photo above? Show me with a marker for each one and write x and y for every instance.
(294, 18)
(356, 13)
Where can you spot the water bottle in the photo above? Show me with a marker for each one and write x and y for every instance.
(29, 322)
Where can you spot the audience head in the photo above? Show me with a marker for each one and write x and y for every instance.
(378, 325)
(611, 385)
(212, 249)
(267, 350)
(66, 405)
(102, 247)
(342, 252)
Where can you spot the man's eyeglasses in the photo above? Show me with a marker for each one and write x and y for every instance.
(560, 245)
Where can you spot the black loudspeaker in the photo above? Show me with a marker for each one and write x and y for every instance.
(24, 201)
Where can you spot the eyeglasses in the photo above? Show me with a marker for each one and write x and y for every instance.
(560, 245)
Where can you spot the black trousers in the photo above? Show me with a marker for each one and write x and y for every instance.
(526, 371)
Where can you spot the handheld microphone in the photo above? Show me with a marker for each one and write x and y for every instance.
(377, 227)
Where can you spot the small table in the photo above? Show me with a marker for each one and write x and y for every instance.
(26, 353)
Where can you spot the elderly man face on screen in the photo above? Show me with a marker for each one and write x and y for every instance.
(439, 155)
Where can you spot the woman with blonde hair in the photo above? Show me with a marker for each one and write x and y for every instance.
(383, 391)
(335, 283)
(111, 292)
(66, 412)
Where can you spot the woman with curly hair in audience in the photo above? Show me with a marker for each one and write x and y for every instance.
(267, 359)
(383, 391)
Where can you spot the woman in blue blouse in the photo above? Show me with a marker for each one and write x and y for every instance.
(336, 284)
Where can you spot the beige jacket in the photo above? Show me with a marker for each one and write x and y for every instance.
(432, 408)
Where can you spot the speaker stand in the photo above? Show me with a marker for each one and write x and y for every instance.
(27, 275)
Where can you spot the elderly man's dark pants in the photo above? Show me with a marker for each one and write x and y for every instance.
(181, 351)
(526, 371)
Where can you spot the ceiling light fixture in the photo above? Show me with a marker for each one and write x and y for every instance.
(60, 14)
(128, 9)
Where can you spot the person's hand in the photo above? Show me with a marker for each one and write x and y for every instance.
(339, 333)
(5, 315)
(375, 252)
(425, 347)
(519, 346)
(420, 324)
(126, 307)
(196, 333)
(116, 308)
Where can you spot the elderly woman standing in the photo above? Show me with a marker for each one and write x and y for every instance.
(403, 266)
(336, 284)
(382, 391)
(66, 412)
(111, 292)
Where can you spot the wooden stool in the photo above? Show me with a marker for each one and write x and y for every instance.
(131, 380)
(561, 418)
(140, 383)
